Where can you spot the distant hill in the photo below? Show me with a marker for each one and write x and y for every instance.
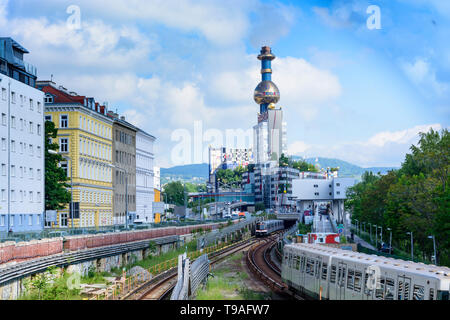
(198, 173)
(188, 173)
(346, 169)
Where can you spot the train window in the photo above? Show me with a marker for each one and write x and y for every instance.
(350, 276)
(324, 271)
(379, 292)
(431, 295)
(406, 291)
(302, 269)
(358, 277)
(400, 290)
(333, 274)
(390, 289)
(297, 262)
(442, 295)
(310, 266)
(290, 260)
(418, 292)
(317, 269)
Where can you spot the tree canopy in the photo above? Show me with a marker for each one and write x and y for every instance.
(413, 198)
(57, 194)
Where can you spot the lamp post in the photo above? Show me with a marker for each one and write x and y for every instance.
(381, 235)
(434, 248)
(390, 240)
(412, 245)
(376, 236)
(71, 183)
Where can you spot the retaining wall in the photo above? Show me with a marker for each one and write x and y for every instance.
(21, 251)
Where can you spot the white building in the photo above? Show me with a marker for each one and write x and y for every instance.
(21, 142)
(308, 191)
(145, 177)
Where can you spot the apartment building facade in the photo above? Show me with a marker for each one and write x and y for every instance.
(21, 142)
(85, 141)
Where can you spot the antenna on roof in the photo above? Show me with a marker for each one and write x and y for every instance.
(51, 78)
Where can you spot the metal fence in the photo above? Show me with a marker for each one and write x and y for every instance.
(217, 234)
(192, 275)
(64, 232)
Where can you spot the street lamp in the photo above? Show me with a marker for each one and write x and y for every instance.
(376, 236)
(434, 248)
(412, 245)
(390, 240)
(71, 183)
(381, 235)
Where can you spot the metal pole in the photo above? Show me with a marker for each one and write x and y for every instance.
(381, 238)
(71, 189)
(390, 242)
(376, 237)
(126, 200)
(370, 231)
(412, 247)
(434, 247)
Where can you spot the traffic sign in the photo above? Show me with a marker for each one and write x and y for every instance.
(340, 230)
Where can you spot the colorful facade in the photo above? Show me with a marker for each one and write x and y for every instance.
(85, 140)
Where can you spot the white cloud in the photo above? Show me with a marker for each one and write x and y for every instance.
(387, 148)
(297, 147)
(424, 77)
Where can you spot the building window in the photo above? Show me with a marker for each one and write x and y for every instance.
(48, 117)
(13, 122)
(39, 129)
(48, 99)
(64, 145)
(338, 184)
(4, 119)
(3, 169)
(64, 121)
(31, 127)
(13, 146)
(31, 104)
(13, 97)
(13, 170)
(39, 107)
(64, 167)
(3, 93)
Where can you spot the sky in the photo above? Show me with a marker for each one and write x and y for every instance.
(356, 83)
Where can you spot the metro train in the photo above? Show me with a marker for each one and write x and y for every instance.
(321, 272)
(265, 228)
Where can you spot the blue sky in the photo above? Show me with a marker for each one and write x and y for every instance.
(347, 91)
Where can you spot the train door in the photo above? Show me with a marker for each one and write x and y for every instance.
(340, 288)
(403, 288)
(317, 270)
(302, 272)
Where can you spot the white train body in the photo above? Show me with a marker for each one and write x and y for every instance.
(317, 271)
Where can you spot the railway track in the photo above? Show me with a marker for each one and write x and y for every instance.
(161, 286)
(260, 263)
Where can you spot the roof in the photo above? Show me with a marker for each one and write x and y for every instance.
(398, 264)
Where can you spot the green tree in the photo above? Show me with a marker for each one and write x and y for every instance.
(174, 193)
(57, 195)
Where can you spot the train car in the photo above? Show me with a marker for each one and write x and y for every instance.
(265, 228)
(317, 271)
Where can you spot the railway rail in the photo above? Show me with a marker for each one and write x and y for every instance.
(260, 263)
(161, 286)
